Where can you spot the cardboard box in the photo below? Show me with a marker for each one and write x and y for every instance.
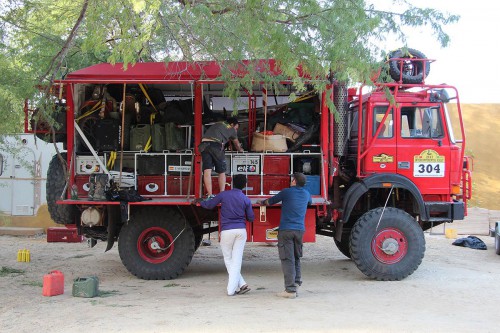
(286, 131)
(263, 143)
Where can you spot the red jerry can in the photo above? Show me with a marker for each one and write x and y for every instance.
(53, 283)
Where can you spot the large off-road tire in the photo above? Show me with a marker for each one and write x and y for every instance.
(61, 214)
(344, 245)
(156, 244)
(497, 240)
(413, 70)
(388, 248)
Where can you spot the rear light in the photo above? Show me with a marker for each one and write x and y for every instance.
(455, 189)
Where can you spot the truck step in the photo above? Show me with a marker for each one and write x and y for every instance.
(439, 219)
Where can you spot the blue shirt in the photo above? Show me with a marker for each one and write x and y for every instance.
(294, 201)
(235, 210)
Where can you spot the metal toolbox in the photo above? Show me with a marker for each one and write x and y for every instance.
(85, 165)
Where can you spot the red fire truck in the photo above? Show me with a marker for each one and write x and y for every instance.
(382, 168)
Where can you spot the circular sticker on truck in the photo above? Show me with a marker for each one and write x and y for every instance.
(428, 164)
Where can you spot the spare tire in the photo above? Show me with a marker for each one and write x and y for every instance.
(61, 214)
(412, 70)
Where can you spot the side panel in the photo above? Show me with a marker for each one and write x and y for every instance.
(265, 224)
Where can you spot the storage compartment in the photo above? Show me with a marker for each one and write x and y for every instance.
(253, 185)
(63, 234)
(150, 164)
(151, 185)
(274, 184)
(308, 165)
(82, 185)
(265, 227)
(139, 136)
(127, 161)
(313, 184)
(107, 134)
(245, 164)
(179, 164)
(276, 165)
(178, 185)
(215, 184)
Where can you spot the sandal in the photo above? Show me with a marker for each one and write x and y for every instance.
(243, 290)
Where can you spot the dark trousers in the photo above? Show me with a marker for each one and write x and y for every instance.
(290, 252)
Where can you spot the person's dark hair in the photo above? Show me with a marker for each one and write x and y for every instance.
(232, 121)
(239, 181)
(300, 179)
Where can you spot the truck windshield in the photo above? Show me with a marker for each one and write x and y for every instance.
(421, 122)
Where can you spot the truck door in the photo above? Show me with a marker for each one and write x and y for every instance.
(381, 151)
(423, 153)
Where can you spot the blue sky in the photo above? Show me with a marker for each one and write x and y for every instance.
(471, 60)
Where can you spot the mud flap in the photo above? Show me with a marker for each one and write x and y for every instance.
(113, 218)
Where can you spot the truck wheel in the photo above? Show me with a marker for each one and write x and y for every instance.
(61, 214)
(387, 249)
(343, 245)
(413, 71)
(497, 241)
(156, 244)
(197, 241)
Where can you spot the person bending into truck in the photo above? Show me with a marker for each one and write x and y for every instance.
(236, 209)
(212, 151)
(294, 202)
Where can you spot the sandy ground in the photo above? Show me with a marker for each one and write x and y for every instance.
(454, 290)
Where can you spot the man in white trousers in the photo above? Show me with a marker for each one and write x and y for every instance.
(236, 209)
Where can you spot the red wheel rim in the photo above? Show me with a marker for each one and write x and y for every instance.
(389, 246)
(155, 245)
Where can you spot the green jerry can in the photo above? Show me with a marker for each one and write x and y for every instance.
(158, 135)
(139, 136)
(174, 137)
(86, 287)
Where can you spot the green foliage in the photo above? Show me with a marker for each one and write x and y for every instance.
(4, 271)
(33, 284)
(42, 40)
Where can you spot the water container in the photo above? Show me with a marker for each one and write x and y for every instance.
(53, 283)
(139, 136)
(86, 287)
(158, 134)
(175, 137)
